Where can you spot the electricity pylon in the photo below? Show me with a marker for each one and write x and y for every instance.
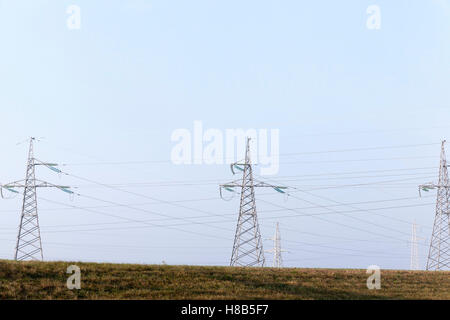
(414, 264)
(247, 247)
(277, 260)
(439, 254)
(29, 244)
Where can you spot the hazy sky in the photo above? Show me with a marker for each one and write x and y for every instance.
(115, 90)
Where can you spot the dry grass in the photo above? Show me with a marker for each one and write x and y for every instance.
(47, 280)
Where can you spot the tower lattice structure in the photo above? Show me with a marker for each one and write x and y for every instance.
(29, 243)
(248, 246)
(414, 263)
(276, 250)
(439, 252)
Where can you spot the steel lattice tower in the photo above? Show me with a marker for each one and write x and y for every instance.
(29, 244)
(248, 247)
(277, 259)
(414, 264)
(439, 253)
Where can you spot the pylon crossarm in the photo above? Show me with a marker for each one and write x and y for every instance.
(426, 187)
(238, 165)
(233, 184)
(228, 187)
(10, 187)
(39, 184)
(51, 166)
(45, 184)
(262, 184)
(7, 188)
(14, 184)
(259, 184)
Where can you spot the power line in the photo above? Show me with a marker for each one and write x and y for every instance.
(360, 184)
(340, 223)
(333, 247)
(352, 211)
(139, 221)
(180, 224)
(322, 235)
(207, 214)
(357, 160)
(289, 162)
(139, 195)
(281, 210)
(351, 206)
(208, 182)
(363, 149)
(232, 159)
(232, 214)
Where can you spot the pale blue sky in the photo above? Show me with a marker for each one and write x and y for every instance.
(137, 70)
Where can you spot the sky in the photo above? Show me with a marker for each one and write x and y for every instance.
(361, 113)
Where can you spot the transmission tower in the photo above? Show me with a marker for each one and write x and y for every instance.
(29, 244)
(414, 264)
(277, 260)
(248, 247)
(439, 254)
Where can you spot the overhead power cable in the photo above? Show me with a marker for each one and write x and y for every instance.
(232, 159)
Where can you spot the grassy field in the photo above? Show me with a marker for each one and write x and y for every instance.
(47, 280)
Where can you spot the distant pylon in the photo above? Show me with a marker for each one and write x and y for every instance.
(29, 244)
(277, 259)
(414, 264)
(247, 247)
(439, 253)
